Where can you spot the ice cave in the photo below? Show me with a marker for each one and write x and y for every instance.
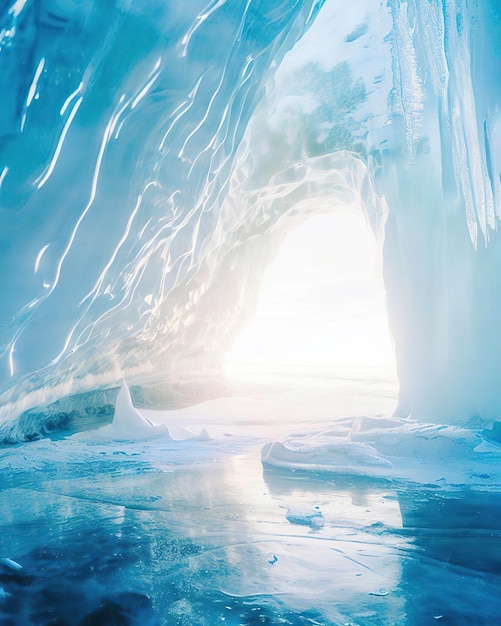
(250, 312)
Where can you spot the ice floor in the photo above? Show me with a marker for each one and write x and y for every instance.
(198, 533)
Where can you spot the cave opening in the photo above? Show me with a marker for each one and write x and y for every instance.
(321, 313)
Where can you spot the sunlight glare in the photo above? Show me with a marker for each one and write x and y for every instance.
(322, 303)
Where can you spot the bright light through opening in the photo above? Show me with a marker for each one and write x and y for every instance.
(322, 305)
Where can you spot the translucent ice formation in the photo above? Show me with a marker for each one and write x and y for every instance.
(153, 154)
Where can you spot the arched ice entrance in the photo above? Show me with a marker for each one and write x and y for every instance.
(321, 319)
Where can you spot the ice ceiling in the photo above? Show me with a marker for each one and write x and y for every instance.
(153, 153)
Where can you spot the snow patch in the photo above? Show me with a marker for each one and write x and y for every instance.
(388, 447)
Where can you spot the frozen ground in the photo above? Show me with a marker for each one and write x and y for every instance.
(178, 531)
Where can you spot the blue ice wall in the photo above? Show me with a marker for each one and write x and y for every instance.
(136, 199)
(118, 128)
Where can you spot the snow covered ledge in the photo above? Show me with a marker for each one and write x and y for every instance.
(392, 448)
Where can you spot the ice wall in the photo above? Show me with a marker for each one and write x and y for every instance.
(117, 139)
(441, 179)
(146, 175)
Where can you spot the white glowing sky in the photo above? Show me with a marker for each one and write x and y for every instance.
(322, 302)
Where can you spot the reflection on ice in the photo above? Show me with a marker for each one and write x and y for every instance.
(194, 532)
(115, 524)
(205, 538)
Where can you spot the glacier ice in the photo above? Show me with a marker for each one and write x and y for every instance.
(147, 175)
(154, 156)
